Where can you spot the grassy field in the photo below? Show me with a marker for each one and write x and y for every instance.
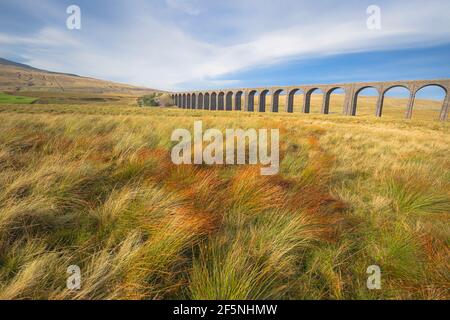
(71, 98)
(9, 99)
(94, 186)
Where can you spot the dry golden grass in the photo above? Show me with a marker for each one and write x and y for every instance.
(94, 186)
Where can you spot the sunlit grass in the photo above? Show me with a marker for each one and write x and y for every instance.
(94, 186)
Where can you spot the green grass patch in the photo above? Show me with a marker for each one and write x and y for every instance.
(10, 99)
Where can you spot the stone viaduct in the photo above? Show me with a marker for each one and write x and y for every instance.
(244, 98)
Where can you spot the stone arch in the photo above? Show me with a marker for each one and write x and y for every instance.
(404, 86)
(263, 100)
(355, 107)
(213, 101)
(207, 103)
(221, 101)
(188, 101)
(251, 101)
(238, 100)
(308, 105)
(432, 84)
(328, 99)
(383, 107)
(291, 101)
(438, 109)
(183, 104)
(276, 100)
(194, 101)
(229, 101)
(200, 100)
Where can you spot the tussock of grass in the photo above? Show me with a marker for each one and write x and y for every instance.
(413, 196)
(257, 260)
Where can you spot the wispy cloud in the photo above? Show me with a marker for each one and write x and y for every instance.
(45, 37)
(159, 51)
(191, 7)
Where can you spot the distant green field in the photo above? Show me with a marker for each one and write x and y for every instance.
(6, 98)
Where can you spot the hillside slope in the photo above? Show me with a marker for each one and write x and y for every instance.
(17, 77)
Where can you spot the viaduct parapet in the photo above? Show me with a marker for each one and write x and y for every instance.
(244, 98)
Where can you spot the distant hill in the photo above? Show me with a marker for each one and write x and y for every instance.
(16, 64)
(17, 77)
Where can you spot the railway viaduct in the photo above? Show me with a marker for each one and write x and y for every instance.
(244, 98)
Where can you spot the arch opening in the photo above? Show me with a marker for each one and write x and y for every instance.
(314, 101)
(200, 100)
(429, 103)
(295, 101)
(194, 101)
(263, 100)
(184, 101)
(251, 100)
(278, 105)
(334, 103)
(238, 101)
(188, 101)
(213, 101)
(394, 102)
(207, 102)
(229, 101)
(221, 101)
(365, 102)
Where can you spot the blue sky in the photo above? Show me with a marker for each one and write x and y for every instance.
(193, 44)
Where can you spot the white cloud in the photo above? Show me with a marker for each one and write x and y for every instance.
(160, 53)
(45, 37)
(191, 7)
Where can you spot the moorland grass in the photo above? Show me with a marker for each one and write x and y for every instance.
(94, 186)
